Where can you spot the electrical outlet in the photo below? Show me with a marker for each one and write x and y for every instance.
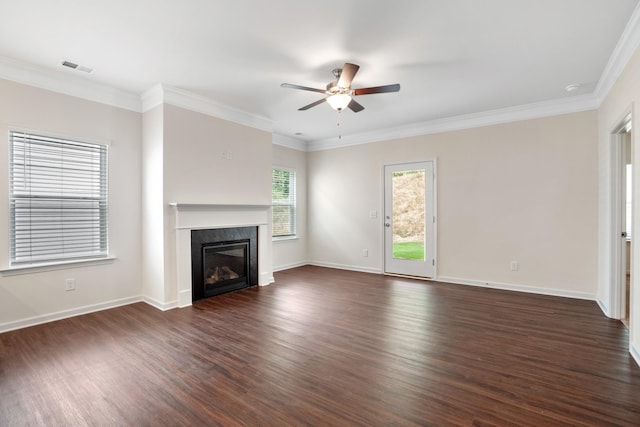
(514, 266)
(70, 285)
(365, 252)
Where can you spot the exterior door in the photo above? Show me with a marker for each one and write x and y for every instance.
(409, 221)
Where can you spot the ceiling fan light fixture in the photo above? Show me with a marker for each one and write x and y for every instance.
(339, 101)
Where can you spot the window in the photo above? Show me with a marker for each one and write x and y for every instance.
(283, 196)
(58, 199)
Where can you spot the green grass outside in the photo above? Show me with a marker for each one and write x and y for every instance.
(408, 250)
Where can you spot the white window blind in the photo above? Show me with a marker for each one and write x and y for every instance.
(283, 196)
(58, 199)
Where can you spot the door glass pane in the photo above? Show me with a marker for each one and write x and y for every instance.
(408, 221)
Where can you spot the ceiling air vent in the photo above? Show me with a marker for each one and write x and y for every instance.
(77, 67)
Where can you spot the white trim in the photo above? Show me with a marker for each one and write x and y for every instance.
(74, 137)
(219, 206)
(470, 282)
(290, 266)
(194, 216)
(266, 279)
(161, 93)
(284, 238)
(289, 142)
(152, 97)
(185, 298)
(59, 265)
(163, 306)
(486, 118)
(61, 82)
(284, 168)
(635, 354)
(603, 307)
(624, 50)
(518, 288)
(615, 253)
(46, 318)
(412, 268)
(346, 267)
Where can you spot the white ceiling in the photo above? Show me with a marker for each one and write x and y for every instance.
(451, 57)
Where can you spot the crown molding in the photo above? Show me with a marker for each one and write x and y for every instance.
(289, 142)
(61, 82)
(161, 93)
(152, 97)
(487, 118)
(624, 50)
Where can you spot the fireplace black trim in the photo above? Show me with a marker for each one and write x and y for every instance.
(204, 238)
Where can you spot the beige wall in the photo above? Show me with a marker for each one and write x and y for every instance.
(620, 101)
(40, 296)
(292, 253)
(195, 170)
(523, 191)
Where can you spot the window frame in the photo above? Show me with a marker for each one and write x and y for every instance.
(59, 257)
(293, 202)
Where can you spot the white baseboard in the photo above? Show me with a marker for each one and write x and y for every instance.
(635, 354)
(289, 266)
(460, 281)
(518, 288)
(604, 308)
(346, 267)
(164, 306)
(185, 298)
(265, 279)
(46, 318)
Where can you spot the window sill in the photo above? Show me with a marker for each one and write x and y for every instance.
(283, 238)
(49, 266)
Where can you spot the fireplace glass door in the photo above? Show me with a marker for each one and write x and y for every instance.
(224, 265)
(223, 260)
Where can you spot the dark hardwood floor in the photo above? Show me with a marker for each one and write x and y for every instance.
(324, 347)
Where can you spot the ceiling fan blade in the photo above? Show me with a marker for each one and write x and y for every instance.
(313, 104)
(377, 89)
(348, 73)
(312, 89)
(355, 107)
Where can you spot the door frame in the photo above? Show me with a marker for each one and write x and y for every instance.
(617, 254)
(435, 213)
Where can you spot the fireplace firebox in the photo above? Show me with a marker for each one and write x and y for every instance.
(223, 260)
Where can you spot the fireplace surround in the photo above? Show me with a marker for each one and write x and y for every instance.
(202, 216)
(223, 260)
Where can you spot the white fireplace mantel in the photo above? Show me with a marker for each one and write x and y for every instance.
(199, 216)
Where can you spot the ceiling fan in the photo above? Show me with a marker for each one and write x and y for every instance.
(339, 92)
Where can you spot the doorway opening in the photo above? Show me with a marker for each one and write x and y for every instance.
(622, 214)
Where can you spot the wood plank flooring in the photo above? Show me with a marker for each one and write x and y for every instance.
(324, 347)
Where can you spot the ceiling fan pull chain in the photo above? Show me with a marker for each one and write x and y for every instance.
(338, 125)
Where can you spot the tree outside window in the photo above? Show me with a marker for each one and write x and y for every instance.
(283, 196)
